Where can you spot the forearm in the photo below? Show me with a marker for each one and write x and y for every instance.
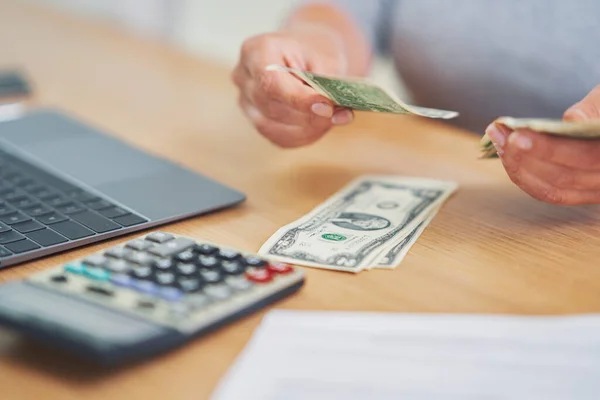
(356, 46)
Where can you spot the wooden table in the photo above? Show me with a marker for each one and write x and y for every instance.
(491, 249)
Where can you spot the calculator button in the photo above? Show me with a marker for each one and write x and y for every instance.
(74, 268)
(239, 283)
(255, 262)
(259, 275)
(280, 268)
(164, 264)
(139, 258)
(170, 293)
(97, 274)
(188, 285)
(179, 310)
(146, 305)
(59, 279)
(159, 237)
(138, 244)
(208, 261)
(95, 260)
(211, 276)
(144, 286)
(118, 266)
(121, 280)
(197, 300)
(141, 271)
(233, 267)
(186, 269)
(164, 278)
(206, 249)
(100, 290)
(171, 247)
(117, 252)
(228, 255)
(185, 256)
(218, 292)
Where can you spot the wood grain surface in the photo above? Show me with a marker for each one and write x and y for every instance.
(491, 249)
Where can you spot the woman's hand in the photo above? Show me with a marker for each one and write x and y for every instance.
(553, 169)
(280, 105)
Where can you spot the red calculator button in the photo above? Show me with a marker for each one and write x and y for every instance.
(259, 275)
(280, 268)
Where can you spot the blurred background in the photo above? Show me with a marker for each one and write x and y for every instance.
(211, 29)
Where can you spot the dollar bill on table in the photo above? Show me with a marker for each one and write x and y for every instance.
(365, 224)
(361, 95)
(391, 258)
(579, 130)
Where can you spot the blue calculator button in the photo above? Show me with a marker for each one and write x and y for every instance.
(144, 286)
(97, 274)
(75, 268)
(121, 280)
(170, 293)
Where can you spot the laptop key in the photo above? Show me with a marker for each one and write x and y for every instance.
(5, 209)
(24, 202)
(70, 208)
(14, 197)
(129, 220)
(72, 230)
(22, 246)
(80, 195)
(99, 204)
(10, 236)
(4, 228)
(51, 218)
(46, 237)
(28, 226)
(36, 210)
(96, 222)
(4, 252)
(113, 212)
(58, 201)
(14, 218)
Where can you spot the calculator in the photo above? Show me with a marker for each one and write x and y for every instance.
(143, 297)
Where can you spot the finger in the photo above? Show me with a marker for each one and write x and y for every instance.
(541, 190)
(562, 177)
(279, 133)
(285, 88)
(342, 116)
(498, 134)
(568, 152)
(284, 113)
(586, 109)
(240, 76)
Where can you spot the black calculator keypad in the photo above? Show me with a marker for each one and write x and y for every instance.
(165, 274)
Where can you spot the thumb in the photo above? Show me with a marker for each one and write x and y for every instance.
(586, 109)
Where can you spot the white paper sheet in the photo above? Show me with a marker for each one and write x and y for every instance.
(345, 356)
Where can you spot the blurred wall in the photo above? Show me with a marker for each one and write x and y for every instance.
(207, 28)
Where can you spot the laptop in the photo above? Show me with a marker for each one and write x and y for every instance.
(65, 184)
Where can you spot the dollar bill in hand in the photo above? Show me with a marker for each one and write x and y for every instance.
(578, 130)
(361, 223)
(361, 95)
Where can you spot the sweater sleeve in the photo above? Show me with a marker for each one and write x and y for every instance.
(373, 17)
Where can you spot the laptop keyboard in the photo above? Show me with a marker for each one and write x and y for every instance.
(38, 209)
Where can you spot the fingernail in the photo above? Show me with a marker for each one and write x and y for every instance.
(496, 137)
(342, 117)
(322, 110)
(520, 140)
(253, 113)
(578, 113)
